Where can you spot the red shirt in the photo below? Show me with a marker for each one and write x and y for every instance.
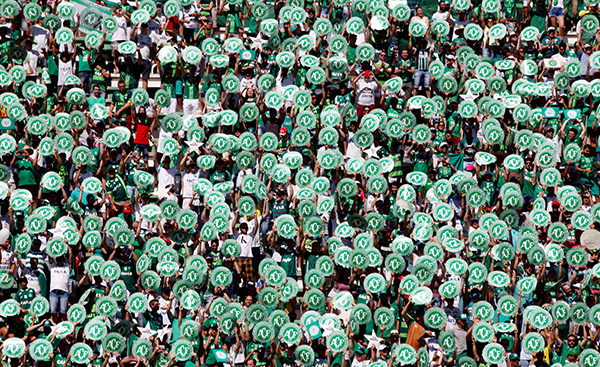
(142, 133)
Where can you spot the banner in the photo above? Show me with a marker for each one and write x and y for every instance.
(81, 5)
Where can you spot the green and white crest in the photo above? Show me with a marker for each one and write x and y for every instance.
(114, 342)
(337, 341)
(417, 28)
(589, 357)
(527, 285)
(64, 36)
(13, 348)
(9, 308)
(493, 352)
(39, 306)
(435, 318)
(483, 332)
(37, 224)
(81, 353)
(40, 349)
(533, 342)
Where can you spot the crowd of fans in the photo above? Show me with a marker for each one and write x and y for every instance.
(294, 183)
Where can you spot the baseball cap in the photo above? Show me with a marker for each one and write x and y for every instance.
(127, 209)
(210, 322)
(283, 131)
(551, 29)
(359, 349)
(22, 279)
(367, 73)
(513, 356)
(444, 144)
(470, 167)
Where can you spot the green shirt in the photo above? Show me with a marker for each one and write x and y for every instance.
(26, 172)
(84, 63)
(404, 74)
(91, 100)
(130, 168)
(99, 79)
(5, 46)
(116, 187)
(24, 297)
(191, 88)
(168, 83)
(119, 100)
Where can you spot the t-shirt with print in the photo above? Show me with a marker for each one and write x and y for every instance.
(24, 297)
(366, 92)
(116, 187)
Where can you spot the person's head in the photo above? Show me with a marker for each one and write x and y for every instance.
(562, 48)
(121, 86)
(23, 282)
(113, 154)
(244, 228)
(118, 10)
(361, 353)
(248, 301)
(26, 152)
(166, 161)
(60, 261)
(33, 263)
(111, 173)
(96, 90)
(530, 269)
(420, 12)
(551, 32)
(28, 44)
(283, 132)
(566, 288)
(550, 132)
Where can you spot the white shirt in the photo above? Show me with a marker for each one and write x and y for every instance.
(59, 277)
(166, 177)
(366, 92)
(64, 70)
(144, 43)
(245, 241)
(7, 260)
(121, 32)
(187, 184)
(185, 14)
(353, 150)
(40, 37)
